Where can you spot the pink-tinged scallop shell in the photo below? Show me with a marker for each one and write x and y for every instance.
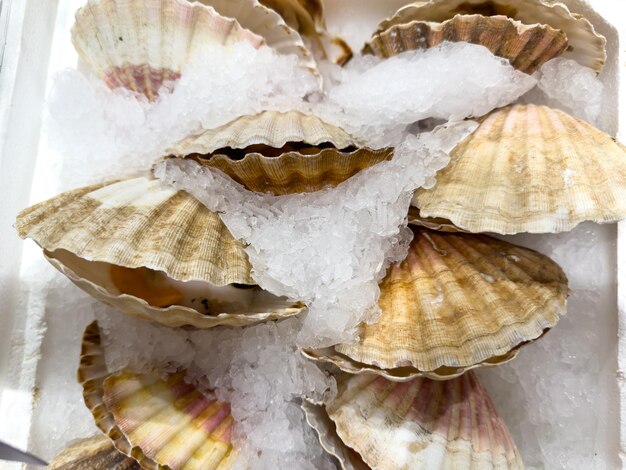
(151, 252)
(584, 45)
(140, 45)
(457, 302)
(171, 421)
(527, 47)
(530, 168)
(422, 424)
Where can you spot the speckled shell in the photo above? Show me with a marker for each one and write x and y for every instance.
(291, 171)
(585, 45)
(140, 45)
(268, 24)
(94, 453)
(92, 372)
(318, 419)
(530, 168)
(171, 421)
(422, 424)
(142, 223)
(457, 302)
(527, 47)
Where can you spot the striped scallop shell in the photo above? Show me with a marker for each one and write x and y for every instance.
(171, 421)
(140, 45)
(94, 453)
(282, 153)
(268, 24)
(91, 233)
(422, 424)
(584, 45)
(527, 47)
(162, 423)
(457, 302)
(530, 168)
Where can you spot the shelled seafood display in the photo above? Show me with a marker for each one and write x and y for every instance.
(404, 393)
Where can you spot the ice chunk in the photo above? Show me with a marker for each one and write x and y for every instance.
(328, 248)
(572, 87)
(375, 98)
(102, 132)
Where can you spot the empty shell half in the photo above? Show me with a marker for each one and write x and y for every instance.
(584, 45)
(281, 153)
(457, 302)
(141, 45)
(530, 168)
(152, 252)
(422, 424)
(527, 47)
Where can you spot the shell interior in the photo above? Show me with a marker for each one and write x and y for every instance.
(530, 168)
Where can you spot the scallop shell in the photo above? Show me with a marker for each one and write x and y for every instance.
(94, 453)
(527, 47)
(318, 419)
(585, 45)
(140, 223)
(282, 153)
(268, 24)
(434, 223)
(140, 45)
(157, 422)
(530, 168)
(92, 373)
(171, 421)
(422, 424)
(457, 302)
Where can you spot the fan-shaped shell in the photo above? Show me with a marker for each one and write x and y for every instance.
(141, 223)
(282, 153)
(268, 24)
(584, 45)
(171, 421)
(94, 453)
(530, 168)
(140, 45)
(422, 424)
(458, 301)
(527, 47)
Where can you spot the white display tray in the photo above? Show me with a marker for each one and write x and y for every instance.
(37, 46)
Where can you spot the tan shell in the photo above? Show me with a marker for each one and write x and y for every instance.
(94, 453)
(318, 419)
(268, 24)
(527, 47)
(585, 45)
(530, 168)
(457, 302)
(141, 223)
(171, 421)
(422, 424)
(92, 373)
(300, 160)
(140, 45)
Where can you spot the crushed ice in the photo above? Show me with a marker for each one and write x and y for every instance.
(332, 247)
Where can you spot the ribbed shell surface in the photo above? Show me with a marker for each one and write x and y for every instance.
(270, 128)
(268, 24)
(458, 301)
(94, 453)
(423, 424)
(585, 45)
(171, 421)
(139, 223)
(530, 168)
(139, 45)
(527, 47)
